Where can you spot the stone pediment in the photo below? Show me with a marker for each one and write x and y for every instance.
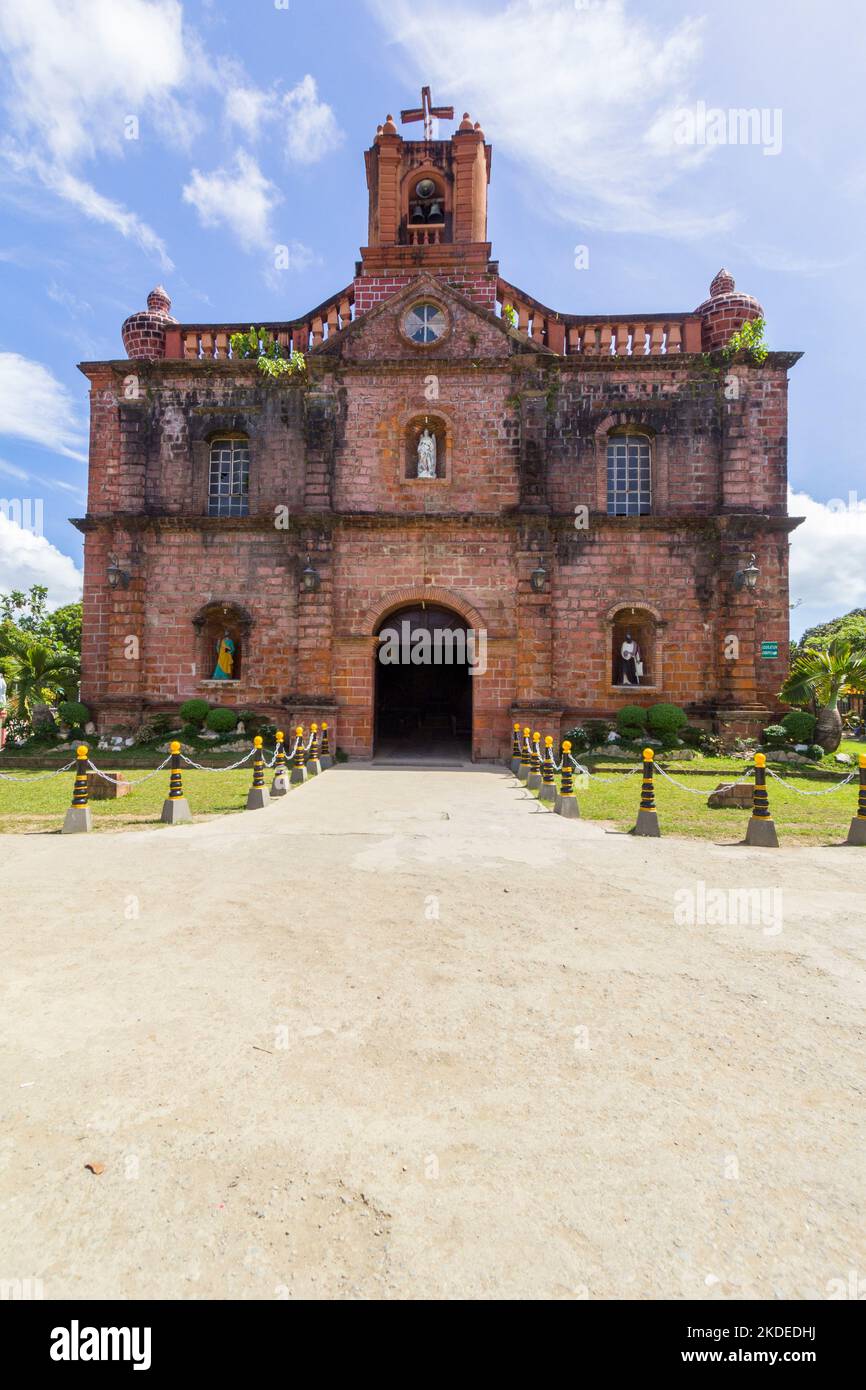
(469, 332)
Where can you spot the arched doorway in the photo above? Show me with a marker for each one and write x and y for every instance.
(423, 689)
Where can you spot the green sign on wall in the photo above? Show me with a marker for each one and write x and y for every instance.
(769, 650)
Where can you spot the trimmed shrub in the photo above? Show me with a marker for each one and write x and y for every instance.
(576, 736)
(800, 725)
(157, 726)
(775, 736)
(703, 741)
(815, 752)
(255, 723)
(596, 731)
(190, 732)
(221, 721)
(194, 712)
(666, 719)
(630, 720)
(669, 742)
(73, 713)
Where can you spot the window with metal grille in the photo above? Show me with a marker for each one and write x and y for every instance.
(629, 489)
(228, 492)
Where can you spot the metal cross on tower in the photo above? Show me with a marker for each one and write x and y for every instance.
(425, 112)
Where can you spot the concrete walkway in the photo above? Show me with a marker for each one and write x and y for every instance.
(406, 1034)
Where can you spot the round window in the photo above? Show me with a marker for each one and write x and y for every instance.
(424, 324)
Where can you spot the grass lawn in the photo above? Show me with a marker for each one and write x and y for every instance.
(799, 819)
(40, 806)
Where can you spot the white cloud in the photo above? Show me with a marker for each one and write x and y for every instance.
(11, 470)
(308, 126)
(579, 95)
(248, 107)
(26, 559)
(311, 129)
(75, 70)
(828, 576)
(35, 406)
(240, 198)
(68, 300)
(77, 67)
(91, 203)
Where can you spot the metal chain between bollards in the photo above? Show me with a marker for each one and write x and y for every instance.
(37, 776)
(826, 791)
(695, 791)
(199, 767)
(126, 782)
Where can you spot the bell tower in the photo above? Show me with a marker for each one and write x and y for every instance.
(427, 203)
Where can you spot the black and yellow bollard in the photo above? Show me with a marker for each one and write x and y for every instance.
(548, 773)
(647, 817)
(299, 771)
(525, 766)
(175, 808)
(857, 831)
(257, 796)
(533, 781)
(325, 759)
(78, 818)
(313, 764)
(514, 761)
(761, 829)
(566, 801)
(280, 783)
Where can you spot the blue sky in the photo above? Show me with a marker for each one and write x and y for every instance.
(250, 125)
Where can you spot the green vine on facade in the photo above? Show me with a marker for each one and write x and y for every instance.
(748, 340)
(262, 345)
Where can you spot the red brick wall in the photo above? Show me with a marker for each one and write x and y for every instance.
(527, 438)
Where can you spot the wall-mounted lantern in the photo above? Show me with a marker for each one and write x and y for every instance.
(311, 580)
(747, 578)
(117, 577)
(538, 579)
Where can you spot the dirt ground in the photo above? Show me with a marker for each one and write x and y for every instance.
(405, 1034)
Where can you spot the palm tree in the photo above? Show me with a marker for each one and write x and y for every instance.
(823, 675)
(35, 671)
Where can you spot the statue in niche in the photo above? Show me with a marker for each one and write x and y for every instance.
(427, 454)
(225, 660)
(631, 662)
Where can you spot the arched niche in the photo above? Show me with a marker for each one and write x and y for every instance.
(413, 431)
(635, 646)
(222, 639)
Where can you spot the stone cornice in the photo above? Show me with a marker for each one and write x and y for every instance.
(579, 362)
(741, 522)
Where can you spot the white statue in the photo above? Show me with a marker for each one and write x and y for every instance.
(632, 662)
(427, 454)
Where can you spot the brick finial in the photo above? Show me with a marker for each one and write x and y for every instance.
(466, 123)
(143, 333)
(158, 300)
(726, 310)
(389, 127)
(723, 283)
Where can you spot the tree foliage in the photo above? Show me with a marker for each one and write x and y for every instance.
(39, 650)
(851, 626)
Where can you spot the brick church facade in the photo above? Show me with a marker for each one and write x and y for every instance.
(588, 482)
